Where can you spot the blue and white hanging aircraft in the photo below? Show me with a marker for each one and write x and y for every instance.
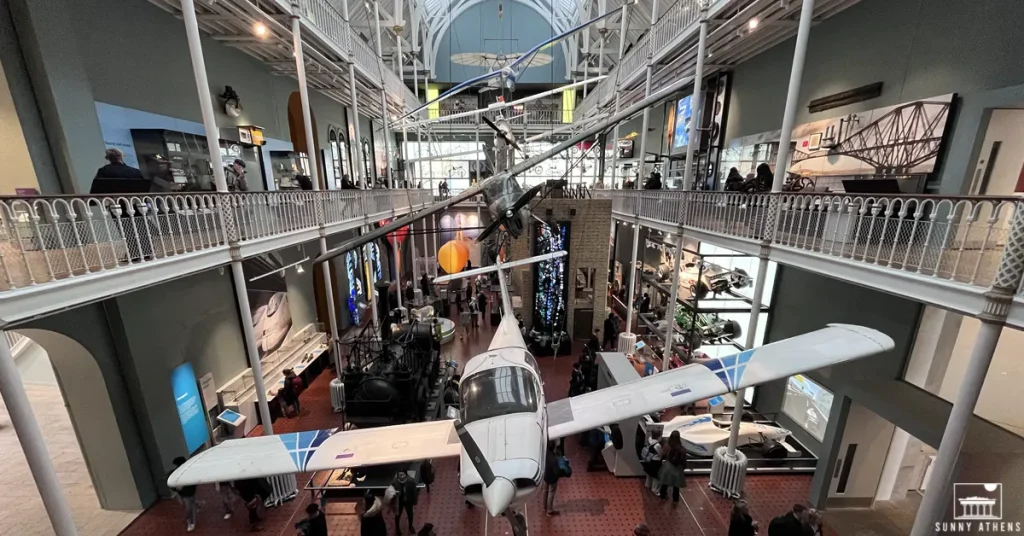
(507, 72)
(505, 423)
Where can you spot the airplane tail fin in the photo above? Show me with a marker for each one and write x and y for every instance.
(500, 267)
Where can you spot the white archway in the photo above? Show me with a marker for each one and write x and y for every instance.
(88, 403)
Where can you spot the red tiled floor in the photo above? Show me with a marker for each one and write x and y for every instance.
(591, 504)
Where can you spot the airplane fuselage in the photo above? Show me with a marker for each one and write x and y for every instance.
(502, 407)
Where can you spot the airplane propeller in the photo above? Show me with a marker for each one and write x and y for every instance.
(498, 492)
(510, 213)
(501, 133)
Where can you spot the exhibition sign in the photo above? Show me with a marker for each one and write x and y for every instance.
(190, 406)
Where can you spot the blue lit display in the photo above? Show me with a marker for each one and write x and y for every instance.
(551, 288)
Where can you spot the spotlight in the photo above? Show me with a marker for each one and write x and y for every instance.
(260, 29)
(753, 23)
(299, 269)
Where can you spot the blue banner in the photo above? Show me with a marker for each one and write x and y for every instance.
(190, 406)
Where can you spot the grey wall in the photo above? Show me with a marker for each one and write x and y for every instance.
(917, 48)
(88, 326)
(193, 319)
(804, 302)
(478, 29)
(137, 56)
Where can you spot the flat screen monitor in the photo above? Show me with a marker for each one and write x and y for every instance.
(684, 114)
(230, 417)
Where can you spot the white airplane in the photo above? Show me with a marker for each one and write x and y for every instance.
(505, 424)
(702, 434)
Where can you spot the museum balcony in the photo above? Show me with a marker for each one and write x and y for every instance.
(940, 250)
(60, 252)
(329, 41)
(738, 30)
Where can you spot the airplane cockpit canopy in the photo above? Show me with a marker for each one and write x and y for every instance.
(499, 391)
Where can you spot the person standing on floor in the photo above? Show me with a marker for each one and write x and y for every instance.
(315, 523)
(481, 303)
(425, 285)
(251, 490)
(610, 328)
(187, 496)
(371, 520)
(406, 494)
(673, 465)
(791, 523)
(651, 461)
(552, 473)
(740, 521)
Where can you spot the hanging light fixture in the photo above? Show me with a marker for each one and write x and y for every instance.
(260, 30)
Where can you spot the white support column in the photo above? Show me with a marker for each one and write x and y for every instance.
(479, 217)
(32, 443)
(755, 312)
(633, 277)
(696, 102)
(433, 236)
(795, 81)
(357, 162)
(238, 276)
(940, 483)
(195, 48)
(646, 121)
(385, 117)
(314, 159)
(618, 96)
(670, 311)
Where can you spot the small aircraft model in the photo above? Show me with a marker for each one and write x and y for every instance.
(504, 422)
(702, 434)
(507, 72)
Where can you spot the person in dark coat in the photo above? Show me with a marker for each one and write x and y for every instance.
(673, 465)
(552, 472)
(740, 521)
(187, 495)
(410, 293)
(791, 524)
(733, 181)
(290, 392)
(315, 523)
(481, 305)
(252, 492)
(406, 494)
(653, 182)
(610, 329)
(116, 168)
(576, 381)
(764, 177)
(425, 286)
(372, 517)
(594, 342)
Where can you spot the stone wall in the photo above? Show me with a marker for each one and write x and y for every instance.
(589, 247)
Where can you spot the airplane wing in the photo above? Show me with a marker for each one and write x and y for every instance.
(458, 88)
(317, 450)
(524, 61)
(834, 344)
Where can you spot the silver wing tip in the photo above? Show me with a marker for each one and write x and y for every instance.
(884, 341)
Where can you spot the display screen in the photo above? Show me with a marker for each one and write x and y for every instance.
(681, 134)
(808, 403)
(190, 406)
(230, 417)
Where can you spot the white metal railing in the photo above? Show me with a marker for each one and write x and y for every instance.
(537, 116)
(679, 16)
(326, 18)
(46, 239)
(960, 239)
(364, 56)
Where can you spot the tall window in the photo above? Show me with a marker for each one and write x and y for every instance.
(367, 160)
(337, 156)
